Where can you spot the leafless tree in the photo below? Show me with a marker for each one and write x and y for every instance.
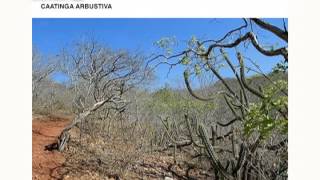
(42, 67)
(100, 78)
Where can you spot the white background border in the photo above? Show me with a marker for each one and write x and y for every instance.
(172, 8)
(304, 91)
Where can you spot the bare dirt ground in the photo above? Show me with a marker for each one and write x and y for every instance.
(45, 163)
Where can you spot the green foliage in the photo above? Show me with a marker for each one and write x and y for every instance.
(166, 100)
(280, 67)
(264, 116)
(197, 69)
(166, 44)
(185, 60)
(193, 42)
(194, 63)
(201, 49)
(186, 74)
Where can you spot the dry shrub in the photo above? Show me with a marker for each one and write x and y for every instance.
(107, 148)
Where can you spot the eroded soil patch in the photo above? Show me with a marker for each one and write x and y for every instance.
(81, 164)
(45, 164)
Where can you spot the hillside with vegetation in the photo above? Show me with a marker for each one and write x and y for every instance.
(106, 122)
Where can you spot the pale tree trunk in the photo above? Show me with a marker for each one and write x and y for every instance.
(64, 136)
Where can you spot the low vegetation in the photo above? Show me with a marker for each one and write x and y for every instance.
(234, 127)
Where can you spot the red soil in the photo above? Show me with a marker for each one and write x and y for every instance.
(45, 164)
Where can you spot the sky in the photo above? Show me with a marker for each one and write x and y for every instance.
(50, 35)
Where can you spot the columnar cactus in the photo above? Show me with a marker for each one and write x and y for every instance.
(212, 156)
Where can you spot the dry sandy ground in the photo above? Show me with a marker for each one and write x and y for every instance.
(50, 165)
(45, 164)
